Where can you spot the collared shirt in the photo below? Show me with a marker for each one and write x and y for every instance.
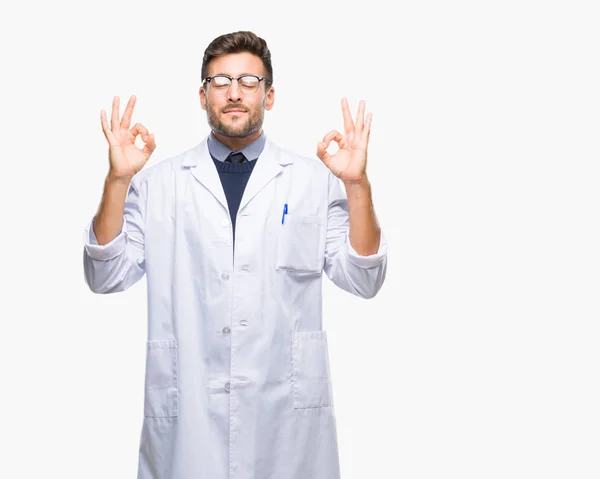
(220, 152)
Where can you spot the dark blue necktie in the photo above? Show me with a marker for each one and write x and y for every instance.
(236, 157)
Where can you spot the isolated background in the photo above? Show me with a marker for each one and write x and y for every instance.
(478, 359)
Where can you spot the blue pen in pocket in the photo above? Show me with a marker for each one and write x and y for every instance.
(285, 210)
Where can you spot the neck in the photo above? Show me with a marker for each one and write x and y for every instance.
(237, 143)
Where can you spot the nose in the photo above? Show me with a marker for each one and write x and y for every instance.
(234, 94)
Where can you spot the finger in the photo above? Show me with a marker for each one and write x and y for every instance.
(139, 129)
(348, 123)
(149, 146)
(322, 152)
(114, 119)
(106, 130)
(333, 135)
(367, 129)
(126, 120)
(360, 117)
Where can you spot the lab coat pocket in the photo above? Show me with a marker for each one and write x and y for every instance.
(311, 378)
(161, 398)
(301, 244)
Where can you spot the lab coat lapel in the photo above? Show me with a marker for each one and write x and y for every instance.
(269, 164)
(204, 170)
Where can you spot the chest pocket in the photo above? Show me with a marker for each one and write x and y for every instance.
(301, 244)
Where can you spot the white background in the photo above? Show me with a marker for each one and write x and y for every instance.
(480, 356)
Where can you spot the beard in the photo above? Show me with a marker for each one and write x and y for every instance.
(239, 127)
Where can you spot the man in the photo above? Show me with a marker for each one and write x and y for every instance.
(234, 235)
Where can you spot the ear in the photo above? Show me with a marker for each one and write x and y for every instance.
(202, 98)
(270, 100)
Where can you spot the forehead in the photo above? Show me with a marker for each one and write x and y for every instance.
(235, 64)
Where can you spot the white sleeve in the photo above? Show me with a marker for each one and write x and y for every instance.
(359, 275)
(118, 264)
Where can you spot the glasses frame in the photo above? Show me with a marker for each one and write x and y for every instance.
(207, 80)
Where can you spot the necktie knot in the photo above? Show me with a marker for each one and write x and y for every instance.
(236, 157)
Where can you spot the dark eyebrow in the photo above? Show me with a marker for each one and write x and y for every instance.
(240, 75)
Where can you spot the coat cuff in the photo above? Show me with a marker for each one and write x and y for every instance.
(107, 251)
(369, 261)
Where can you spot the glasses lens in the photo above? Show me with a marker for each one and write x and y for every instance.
(219, 84)
(249, 83)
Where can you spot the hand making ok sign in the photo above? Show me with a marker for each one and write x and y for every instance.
(126, 159)
(350, 161)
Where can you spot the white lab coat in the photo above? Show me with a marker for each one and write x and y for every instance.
(237, 379)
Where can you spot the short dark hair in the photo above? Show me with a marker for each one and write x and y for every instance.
(238, 42)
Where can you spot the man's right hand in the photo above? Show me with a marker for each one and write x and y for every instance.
(126, 159)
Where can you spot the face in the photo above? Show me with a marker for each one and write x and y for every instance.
(236, 114)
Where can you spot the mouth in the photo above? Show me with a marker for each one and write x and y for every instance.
(234, 111)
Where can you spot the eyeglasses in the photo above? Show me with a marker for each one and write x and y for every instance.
(219, 84)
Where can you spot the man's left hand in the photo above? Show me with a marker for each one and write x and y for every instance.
(349, 163)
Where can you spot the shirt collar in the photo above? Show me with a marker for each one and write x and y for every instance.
(220, 151)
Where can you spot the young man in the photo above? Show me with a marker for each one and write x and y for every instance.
(234, 235)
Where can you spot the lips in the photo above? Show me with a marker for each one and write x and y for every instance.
(235, 111)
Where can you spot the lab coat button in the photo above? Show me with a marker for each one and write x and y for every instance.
(225, 276)
(227, 387)
(226, 330)
(224, 222)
